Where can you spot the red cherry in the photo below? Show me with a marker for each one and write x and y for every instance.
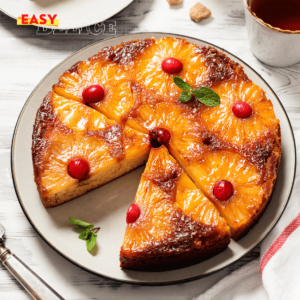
(160, 136)
(93, 93)
(223, 190)
(133, 213)
(172, 65)
(241, 109)
(78, 168)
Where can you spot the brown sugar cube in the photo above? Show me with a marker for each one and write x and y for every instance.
(199, 12)
(174, 2)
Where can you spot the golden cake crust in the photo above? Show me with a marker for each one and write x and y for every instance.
(149, 261)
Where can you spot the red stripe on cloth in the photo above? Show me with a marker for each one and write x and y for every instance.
(278, 243)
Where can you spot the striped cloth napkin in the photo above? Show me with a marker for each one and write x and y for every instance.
(276, 274)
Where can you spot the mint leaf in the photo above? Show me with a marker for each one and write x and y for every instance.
(185, 96)
(204, 94)
(80, 223)
(89, 234)
(207, 96)
(182, 84)
(91, 242)
(85, 234)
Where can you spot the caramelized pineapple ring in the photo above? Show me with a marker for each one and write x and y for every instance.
(227, 126)
(117, 87)
(148, 69)
(170, 202)
(63, 148)
(248, 198)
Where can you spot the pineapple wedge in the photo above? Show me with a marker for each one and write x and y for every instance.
(178, 225)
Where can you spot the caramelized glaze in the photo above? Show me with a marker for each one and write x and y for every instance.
(166, 181)
(220, 68)
(125, 52)
(113, 137)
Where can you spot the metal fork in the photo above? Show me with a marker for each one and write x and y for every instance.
(34, 285)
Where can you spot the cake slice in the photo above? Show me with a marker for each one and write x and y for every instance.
(171, 223)
(76, 149)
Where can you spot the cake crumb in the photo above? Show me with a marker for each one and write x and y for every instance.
(174, 2)
(199, 12)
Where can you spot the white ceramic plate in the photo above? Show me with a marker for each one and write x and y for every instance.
(106, 206)
(72, 14)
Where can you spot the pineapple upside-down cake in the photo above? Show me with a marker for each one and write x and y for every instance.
(104, 115)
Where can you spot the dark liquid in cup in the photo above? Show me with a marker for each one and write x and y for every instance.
(284, 14)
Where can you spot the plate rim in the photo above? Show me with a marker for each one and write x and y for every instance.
(137, 282)
(70, 28)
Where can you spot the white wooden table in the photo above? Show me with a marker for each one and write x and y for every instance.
(25, 58)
